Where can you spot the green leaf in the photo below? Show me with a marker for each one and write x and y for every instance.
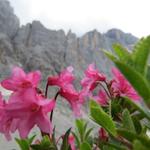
(132, 136)
(85, 146)
(137, 124)
(24, 144)
(65, 144)
(148, 74)
(102, 118)
(54, 140)
(45, 144)
(142, 109)
(127, 121)
(82, 131)
(76, 139)
(137, 145)
(112, 145)
(30, 140)
(122, 52)
(81, 126)
(140, 54)
(88, 133)
(110, 55)
(136, 79)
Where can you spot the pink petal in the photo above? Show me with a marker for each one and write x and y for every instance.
(25, 125)
(47, 105)
(19, 79)
(66, 75)
(53, 80)
(122, 86)
(43, 123)
(34, 77)
(71, 141)
(27, 95)
(92, 77)
(18, 73)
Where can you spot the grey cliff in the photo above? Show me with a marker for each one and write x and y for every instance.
(35, 47)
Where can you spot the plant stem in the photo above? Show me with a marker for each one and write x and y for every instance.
(125, 142)
(105, 90)
(52, 112)
(46, 93)
(46, 90)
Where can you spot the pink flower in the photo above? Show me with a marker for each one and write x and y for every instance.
(30, 109)
(66, 77)
(8, 125)
(122, 87)
(92, 77)
(20, 80)
(103, 135)
(1, 101)
(5, 121)
(67, 90)
(73, 97)
(71, 141)
(102, 98)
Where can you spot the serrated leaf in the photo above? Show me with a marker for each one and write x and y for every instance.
(85, 146)
(102, 118)
(127, 121)
(122, 52)
(141, 53)
(136, 79)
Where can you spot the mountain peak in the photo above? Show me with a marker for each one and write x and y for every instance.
(9, 22)
(36, 47)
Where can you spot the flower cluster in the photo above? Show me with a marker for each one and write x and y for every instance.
(109, 90)
(27, 106)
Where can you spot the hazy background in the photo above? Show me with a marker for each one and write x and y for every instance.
(84, 15)
(50, 50)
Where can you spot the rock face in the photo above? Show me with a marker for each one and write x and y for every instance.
(35, 47)
(9, 23)
(49, 51)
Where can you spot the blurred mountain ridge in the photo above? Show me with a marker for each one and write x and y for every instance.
(35, 47)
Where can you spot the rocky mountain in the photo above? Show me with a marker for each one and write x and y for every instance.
(35, 47)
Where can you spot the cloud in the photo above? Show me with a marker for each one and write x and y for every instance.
(83, 15)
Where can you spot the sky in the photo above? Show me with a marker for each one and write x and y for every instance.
(131, 16)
